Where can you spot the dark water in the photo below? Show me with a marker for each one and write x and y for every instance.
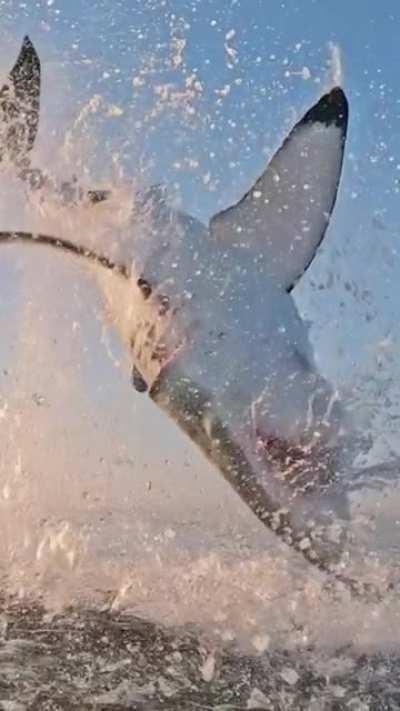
(97, 659)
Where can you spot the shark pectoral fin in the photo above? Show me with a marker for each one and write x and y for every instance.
(19, 107)
(285, 214)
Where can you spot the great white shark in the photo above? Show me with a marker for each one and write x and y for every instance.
(210, 321)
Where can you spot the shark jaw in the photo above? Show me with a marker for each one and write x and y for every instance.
(309, 522)
(214, 333)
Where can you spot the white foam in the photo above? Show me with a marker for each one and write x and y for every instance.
(335, 64)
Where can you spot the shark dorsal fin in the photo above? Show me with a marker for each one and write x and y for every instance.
(285, 214)
(19, 107)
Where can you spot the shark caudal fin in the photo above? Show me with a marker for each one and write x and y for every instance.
(19, 107)
(19, 122)
(284, 216)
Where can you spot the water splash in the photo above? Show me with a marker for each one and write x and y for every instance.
(335, 65)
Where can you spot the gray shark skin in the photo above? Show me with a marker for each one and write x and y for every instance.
(217, 342)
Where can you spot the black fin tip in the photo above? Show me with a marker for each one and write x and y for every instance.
(331, 109)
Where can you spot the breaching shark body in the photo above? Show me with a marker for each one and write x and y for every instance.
(212, 327)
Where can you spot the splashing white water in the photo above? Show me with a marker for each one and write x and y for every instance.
(335, 65)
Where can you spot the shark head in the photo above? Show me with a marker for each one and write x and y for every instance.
(215, 336)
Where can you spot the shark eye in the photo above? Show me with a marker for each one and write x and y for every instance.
(144, 287)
